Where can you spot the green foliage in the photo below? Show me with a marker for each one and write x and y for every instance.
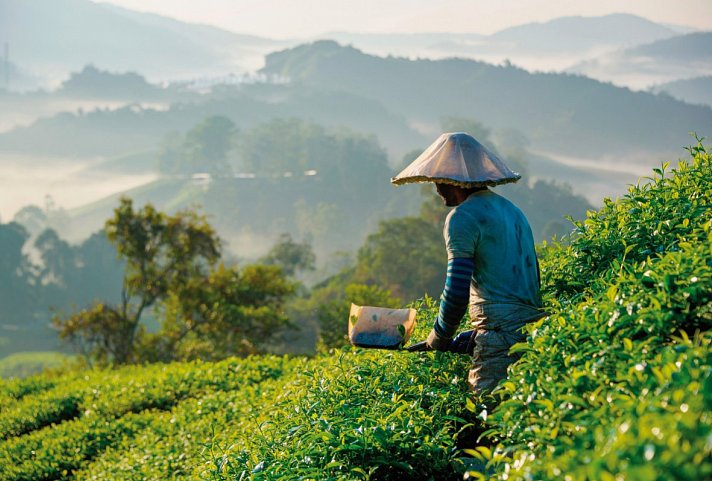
(616, 381)
(358, 415)
(162, 254)
(64, 427)
(15, 272)
(354, 414)
(231, 312)
(291, 256)
(405, 256)
(23, 364)
(654, 218)
(205, 148)
(206, 310)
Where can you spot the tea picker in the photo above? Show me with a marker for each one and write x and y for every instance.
(492, 266)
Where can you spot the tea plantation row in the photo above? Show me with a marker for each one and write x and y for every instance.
(613, 385)
(616, 383)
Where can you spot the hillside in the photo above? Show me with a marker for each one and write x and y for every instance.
(581, 34)
(563, 113)
(642, 66)
(553, 45)
(696, 90)
(53, 37)
(692, 47)
(131, 127)
(614, 382)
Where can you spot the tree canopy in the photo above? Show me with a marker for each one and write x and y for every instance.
(205, 309)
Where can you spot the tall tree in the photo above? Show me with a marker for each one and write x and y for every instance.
(231, 312)
(16, 274)
(405, 256)
(205, 148)
(205, 309)
(162, 253)
(206, 145)
(291, 256)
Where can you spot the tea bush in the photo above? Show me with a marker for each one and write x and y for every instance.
(361, 415)
(615, 384)
(654, 218)
(352, 414)
(54, 432)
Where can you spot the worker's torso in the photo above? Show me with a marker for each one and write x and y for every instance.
(495, 233)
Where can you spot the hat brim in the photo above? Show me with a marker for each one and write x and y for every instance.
(455, 182)
(457, 159)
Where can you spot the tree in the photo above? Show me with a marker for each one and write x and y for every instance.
(32, 218)
(204, 148)
(405, 256)
(101, 270)
(59, 259)
(205, 309)
(162, 253)
(232, 312)
(291, 256)
(16, 274)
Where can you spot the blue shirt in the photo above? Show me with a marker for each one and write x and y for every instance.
(493, 232)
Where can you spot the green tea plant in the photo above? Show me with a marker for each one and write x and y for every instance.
(360, 414)
(45, 440)
(616, 383)
(173, 445)
(655, 217)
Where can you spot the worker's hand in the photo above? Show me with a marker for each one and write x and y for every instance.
(438, 343)
(463, 343)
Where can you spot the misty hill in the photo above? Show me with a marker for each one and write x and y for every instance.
(556, 44)
(581, 34)
(132, 128)
(558, 112)
(693, 47)
(52, 37)
(694, 91)
(94, 83)
(11, 74)
(679, 57)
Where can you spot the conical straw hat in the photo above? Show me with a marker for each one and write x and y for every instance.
(457, 159)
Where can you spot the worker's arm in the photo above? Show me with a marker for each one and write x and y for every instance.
(453, 302)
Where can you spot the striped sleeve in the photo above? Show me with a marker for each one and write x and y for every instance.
(455, 296)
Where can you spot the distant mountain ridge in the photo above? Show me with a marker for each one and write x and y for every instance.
(563, 113)
(50, 38)
(54, 37)
(696, 90)
(553, 45)
(575, 33)
(695, 47)
(642, 66)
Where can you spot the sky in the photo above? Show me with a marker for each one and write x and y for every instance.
(304, 18)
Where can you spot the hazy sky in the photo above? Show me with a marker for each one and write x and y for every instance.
(300, 18)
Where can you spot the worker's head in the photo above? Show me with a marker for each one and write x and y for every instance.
(453, 195)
